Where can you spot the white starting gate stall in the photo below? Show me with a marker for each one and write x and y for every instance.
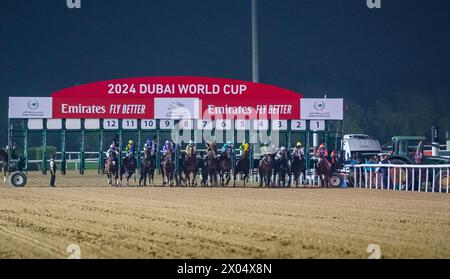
(82, 121)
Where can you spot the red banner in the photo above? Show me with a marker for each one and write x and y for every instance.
(169, 97)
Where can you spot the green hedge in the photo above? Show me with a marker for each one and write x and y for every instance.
(35, 153)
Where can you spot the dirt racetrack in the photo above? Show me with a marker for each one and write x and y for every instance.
(155, 222)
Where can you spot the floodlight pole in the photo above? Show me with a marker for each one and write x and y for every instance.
(255, 65)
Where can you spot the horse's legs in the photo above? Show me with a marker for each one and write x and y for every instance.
(216, 182)
(145, 177)
(152, 173)
(289, 178)
(194, 179)
(228, 177)
(129, 175)
(187, 180)
(171, 178)
(4, 173)
(213, 179)
(140, 177)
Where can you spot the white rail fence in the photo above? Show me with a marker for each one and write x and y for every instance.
(417, 178)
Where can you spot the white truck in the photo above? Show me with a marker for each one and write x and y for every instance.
(360, 144)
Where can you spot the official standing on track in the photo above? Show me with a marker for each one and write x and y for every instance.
(52, 171)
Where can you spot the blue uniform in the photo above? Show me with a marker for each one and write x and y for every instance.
(226, 146)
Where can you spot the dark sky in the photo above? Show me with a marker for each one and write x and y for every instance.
(338, 47)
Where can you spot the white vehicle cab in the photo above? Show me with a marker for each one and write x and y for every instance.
(359, 144)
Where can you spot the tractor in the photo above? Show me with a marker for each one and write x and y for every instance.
(403, 151)
(17, 177)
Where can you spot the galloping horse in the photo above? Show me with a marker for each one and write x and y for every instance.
(243, 167)
(323, 168)
(212, 166)
(265, 170)
(147, 168)
(225, 166)
(281, 167)
(129, 165)
(298, 166)
(190, 166)
(112, 169)
(168, 168)
(4, 163)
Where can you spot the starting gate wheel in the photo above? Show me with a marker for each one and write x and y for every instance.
(443, 181)
(18, 179)
(336, 180)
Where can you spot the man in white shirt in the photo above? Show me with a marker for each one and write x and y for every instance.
(52, 171)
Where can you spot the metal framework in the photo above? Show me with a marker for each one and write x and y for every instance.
(20, 130)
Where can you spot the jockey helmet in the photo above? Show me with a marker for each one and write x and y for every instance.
(149, 141)
(167, 142)
(191, 142)
(322, 145)
(112, 146)
(333, 153)
(283, 148)
(229, 142)
(299, 144)
(130, 142)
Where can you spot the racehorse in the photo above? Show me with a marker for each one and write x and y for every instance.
(204, 169)
(168, 168)
(243, 167)
(324, 171)
(190, 166)
(298, 166)
(225, 167)
(212, 166)
(281, 167)
(112, 169)
(4, 163)
(129, 165)
(265, 170)
(147, 168)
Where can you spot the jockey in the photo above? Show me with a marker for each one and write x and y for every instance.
(130, 148)
(167, 147)
(266, 149)
(298, 151)
(245, 146)
(112, 149)
(281, 153)
(148, 146)
(335, 160)
(211, 146)
(228, 144)
(322, 151)
(190, 147)
(333, 157)
(418, 156)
